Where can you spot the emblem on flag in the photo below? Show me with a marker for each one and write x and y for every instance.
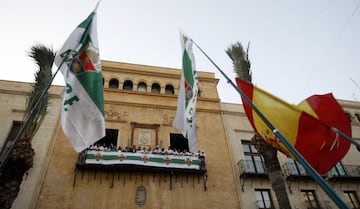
(98, 157)
(188, 91)
(81, 63)
(122, 157)
(188, 161)
(167, 160)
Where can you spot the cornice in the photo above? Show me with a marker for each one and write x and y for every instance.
(17, 92)
(156, 106)
(165, 72)
(244, 131)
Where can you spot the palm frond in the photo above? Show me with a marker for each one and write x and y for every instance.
(44, 58)
(240, 59)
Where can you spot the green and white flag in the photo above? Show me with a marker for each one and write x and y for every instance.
(82, 116)
(185, 119)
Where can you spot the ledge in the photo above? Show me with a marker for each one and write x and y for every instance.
(116, 161)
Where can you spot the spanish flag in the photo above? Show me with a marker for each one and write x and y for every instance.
(307, 126)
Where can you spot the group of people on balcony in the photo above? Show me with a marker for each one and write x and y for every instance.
(148, 150)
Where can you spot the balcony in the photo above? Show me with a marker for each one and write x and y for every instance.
(117, 161)
(264, 204)
(250, 168)
(345, 173)
(295, 171)
(316, 204)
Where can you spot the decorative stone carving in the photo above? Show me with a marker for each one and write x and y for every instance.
(167, 119)
(112, 114)
(144, 137)
(140, 196)
(144, 133)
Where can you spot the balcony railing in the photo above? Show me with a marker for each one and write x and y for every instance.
(252, 168)
(293, 170)
(140, 160)
(316, 205)
(264, 204)
(117, 161)
(345, 173)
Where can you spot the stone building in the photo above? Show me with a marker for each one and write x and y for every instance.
(253, 186)
(140, 104)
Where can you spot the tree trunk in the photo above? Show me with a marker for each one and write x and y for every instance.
(20, 161)
(273, 168)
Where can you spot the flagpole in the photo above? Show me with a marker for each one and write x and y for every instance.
(346, 137)
(324, 185)
(5, 157)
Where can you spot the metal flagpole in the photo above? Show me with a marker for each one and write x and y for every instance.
(5, 156)
(346, 137)
(324, 185)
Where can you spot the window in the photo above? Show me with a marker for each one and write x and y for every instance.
(155, 88)
(128, 85)
(12, 136)
(349, 116)
(142, 87)
(110, 139)
(357, 115)
(263, 198)
(114, 83)
(353, 200)
(338, 170)
(295, 168)
(169, 89)
(253, 159)
(178, 142)
(310, 199)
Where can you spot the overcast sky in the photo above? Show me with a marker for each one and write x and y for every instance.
(297, 47)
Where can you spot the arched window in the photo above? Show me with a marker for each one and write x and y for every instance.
(128, 85)
(169, 89)
(155, 88)
(349, 116)
(142, 87)
(357, 115)
(114, 83)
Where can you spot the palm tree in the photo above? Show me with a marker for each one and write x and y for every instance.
(22, 155)
(241, 64)
(44, 58)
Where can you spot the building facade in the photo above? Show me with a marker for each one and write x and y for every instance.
(253, 185)
(140, 104)
(13, 100)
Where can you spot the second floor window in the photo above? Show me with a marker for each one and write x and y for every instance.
(263, 198)
(295, 168)
(352, 199)
(338, 170)
(109, 141)
(253, 159)
(310, 201)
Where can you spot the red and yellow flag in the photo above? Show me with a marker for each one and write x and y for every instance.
(307, 126)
